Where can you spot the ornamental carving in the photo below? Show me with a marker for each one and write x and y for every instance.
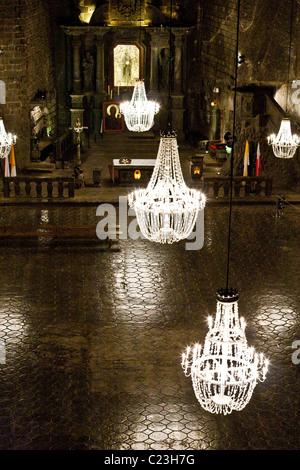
(124, 12)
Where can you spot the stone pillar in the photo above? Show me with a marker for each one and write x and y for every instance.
(177, 89)
(154, 61)
(177, 96)
(100, 83)
(177, 109)
(76, 43)
(99, 64)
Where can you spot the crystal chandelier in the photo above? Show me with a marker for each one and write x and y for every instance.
(6, 140)
(284, 144)
(225, 372)
(139, 112)
(167, 209)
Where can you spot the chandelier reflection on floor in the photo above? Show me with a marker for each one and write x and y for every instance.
(225, 372)
(139, 112)
(284, 144)
(167, 209)
(6, 140)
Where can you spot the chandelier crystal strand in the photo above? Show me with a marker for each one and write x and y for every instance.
(284, 144)
(139, 112)
(225, 371)
(6, 140)
(167, 209)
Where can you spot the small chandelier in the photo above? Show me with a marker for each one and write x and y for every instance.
(6, 140)
(139, 112)
(284, 144)
(225, 372)
(167, 209)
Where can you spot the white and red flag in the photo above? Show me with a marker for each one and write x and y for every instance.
(258, 161)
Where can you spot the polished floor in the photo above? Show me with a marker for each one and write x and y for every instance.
(93, 335)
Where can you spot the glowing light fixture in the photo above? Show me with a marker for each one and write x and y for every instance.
(167, 209)
(284, 144)
(6, 140)
(137, 175)
(225, 371)
(139, 112)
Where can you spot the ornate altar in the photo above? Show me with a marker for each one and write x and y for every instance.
(114, 49)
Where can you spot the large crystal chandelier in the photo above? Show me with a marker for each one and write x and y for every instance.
(284, 144)
(225, 371)
(139, 112)
(6, 140)
(166, 209)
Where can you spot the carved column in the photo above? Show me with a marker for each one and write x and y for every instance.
(76, 43)
(177, 97)
(154, 61)
(99, 64)
(100, 80)
(178, 63)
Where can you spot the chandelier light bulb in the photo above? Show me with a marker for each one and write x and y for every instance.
(167, 209)
(225, 371)
(284, 144)
(6, 140)
(139, 112)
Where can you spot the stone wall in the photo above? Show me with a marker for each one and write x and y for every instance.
(212, 46)
(27, 66)
(264, 37)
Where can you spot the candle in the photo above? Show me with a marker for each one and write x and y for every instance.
(108, 89)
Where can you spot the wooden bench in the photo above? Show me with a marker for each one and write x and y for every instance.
(58, 232)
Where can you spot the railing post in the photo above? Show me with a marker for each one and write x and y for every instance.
(17, 188)
(247, 187)
(6, 190)
(60, 188)
(50, 188)
(226, 186)
(71, 187)
(258, 187)
(39, 188)
(27, 187)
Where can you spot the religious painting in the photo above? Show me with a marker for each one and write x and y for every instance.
(113, 120)
(126, 65)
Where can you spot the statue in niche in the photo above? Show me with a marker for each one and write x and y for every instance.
(164, 69)
(126, 70)
(88, 71)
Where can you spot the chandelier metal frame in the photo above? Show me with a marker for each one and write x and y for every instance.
(6, 140)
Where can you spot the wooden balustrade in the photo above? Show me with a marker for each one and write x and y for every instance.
(40, 187)
(243, 186)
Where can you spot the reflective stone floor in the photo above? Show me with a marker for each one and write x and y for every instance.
(94, 336)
